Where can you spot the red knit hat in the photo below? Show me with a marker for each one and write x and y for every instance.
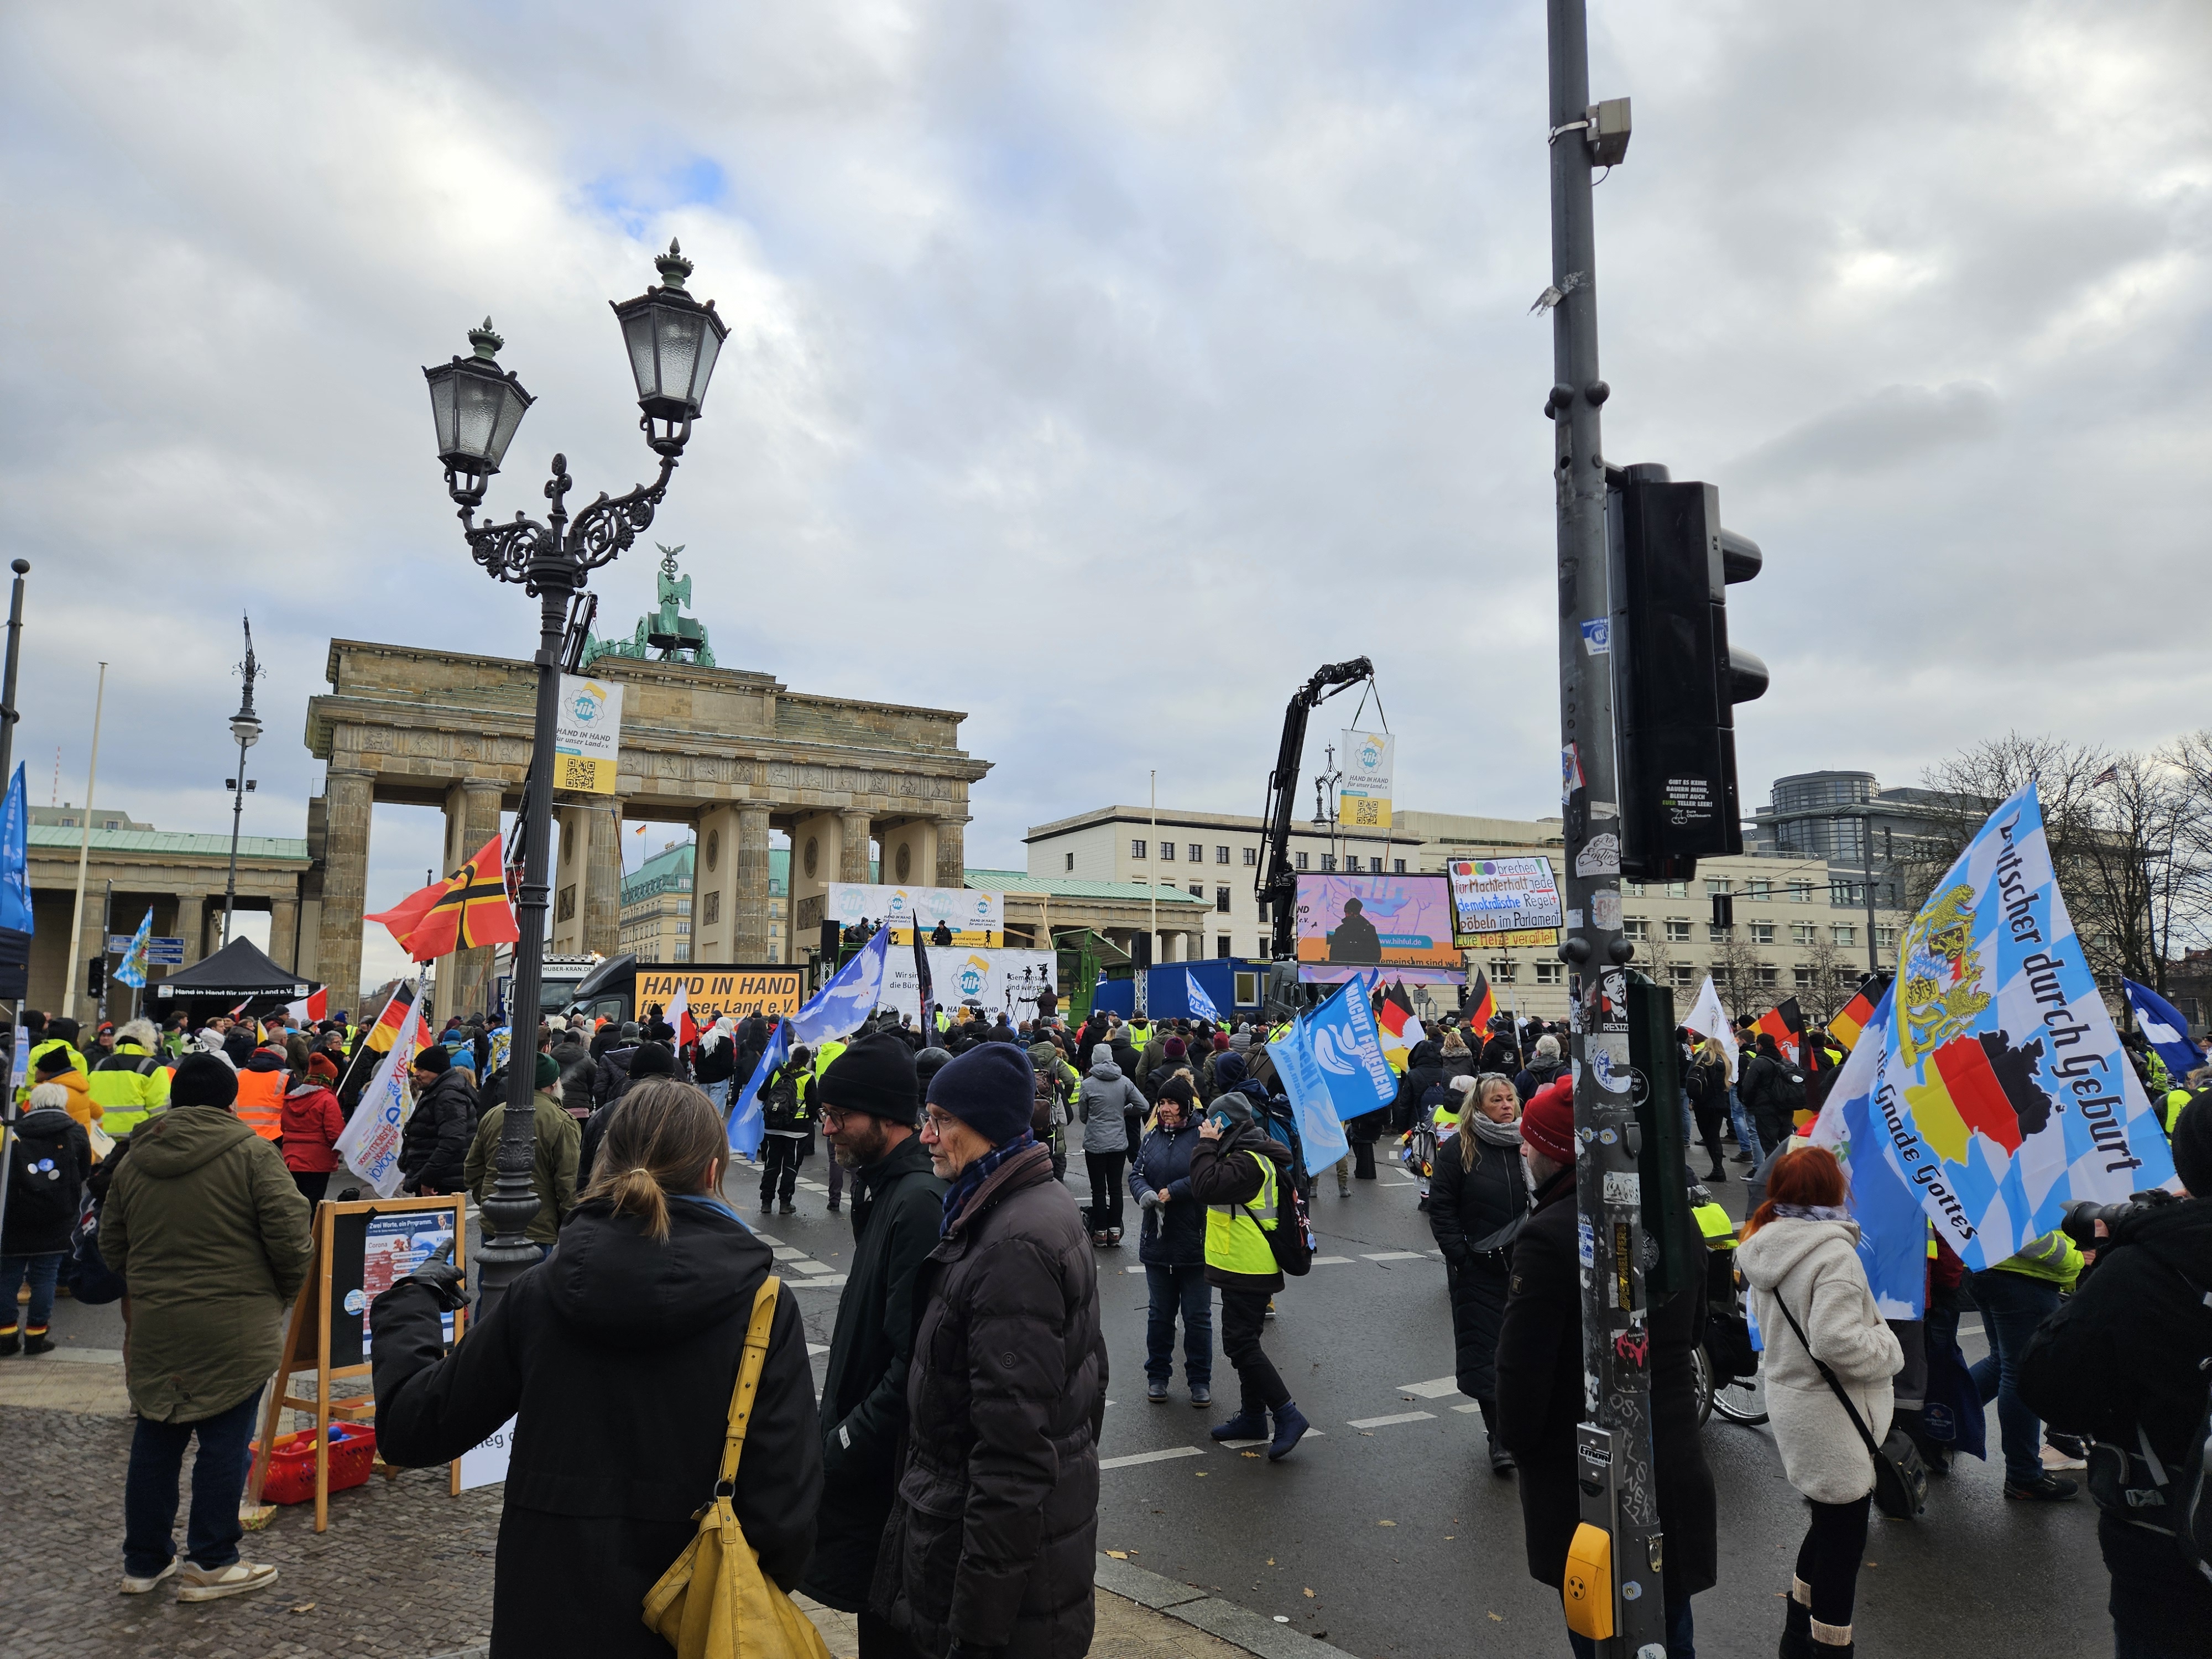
(1547, 1123)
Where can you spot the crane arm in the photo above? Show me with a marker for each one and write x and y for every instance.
(1277, 885)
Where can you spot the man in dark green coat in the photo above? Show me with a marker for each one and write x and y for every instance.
(211, 1236)
(870, 1100)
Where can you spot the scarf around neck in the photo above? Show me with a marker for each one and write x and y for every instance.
(1813, 1212)
(964, 1184)
(1493, 1134)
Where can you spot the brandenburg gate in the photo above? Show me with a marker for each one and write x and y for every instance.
(735, 754)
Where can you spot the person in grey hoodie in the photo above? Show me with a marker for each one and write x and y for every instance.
(1105, 1096)
(1800, 1256)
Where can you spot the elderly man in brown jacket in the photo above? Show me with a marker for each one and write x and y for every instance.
(211, 1236)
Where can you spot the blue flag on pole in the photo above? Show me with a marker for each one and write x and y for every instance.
(1201, 1005)
(16, 897)
(1990, 1089)
(832, 1011)
(131, 970)
(2166, 1030)
(1331, 1069)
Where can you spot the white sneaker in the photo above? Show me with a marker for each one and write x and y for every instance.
(139, 1586)
(213, 1584)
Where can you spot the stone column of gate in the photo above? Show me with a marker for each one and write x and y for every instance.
(472, 812)
(349, 796)
(853, 859)
(752, 898)
(602, 880)
(952, 852)
(191, 926)
(283, 925)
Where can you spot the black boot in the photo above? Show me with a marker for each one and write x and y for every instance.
(1797, 1623)
(1830, 1642)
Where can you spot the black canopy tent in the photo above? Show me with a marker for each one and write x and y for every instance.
(237, 973)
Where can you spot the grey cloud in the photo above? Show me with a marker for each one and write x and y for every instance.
(1897, 426)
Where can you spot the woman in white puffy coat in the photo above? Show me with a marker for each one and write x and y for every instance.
(1800, 1251)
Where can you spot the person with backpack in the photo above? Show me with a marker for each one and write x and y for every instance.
(786, 1127)
(1774, 1091)
(1102, 1103)
(1057, 1084)
(1172, 1247)
(1705, 1083)
(1241, 1174)
(2127, 1359)
(51, 1160)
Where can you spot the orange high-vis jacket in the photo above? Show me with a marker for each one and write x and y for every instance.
(261, 1104)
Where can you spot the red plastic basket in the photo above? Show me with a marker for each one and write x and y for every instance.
(292, 1462)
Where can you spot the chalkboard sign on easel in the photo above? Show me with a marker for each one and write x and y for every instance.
(360, 1249)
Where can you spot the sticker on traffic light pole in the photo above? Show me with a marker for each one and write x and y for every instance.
(588, 735)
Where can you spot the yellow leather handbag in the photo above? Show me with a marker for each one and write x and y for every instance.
(715, 1602)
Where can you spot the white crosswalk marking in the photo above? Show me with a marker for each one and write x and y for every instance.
(1393, 1255)
(818, 1282)
(1330, 1261)
(1436, 1389)
(1386, 1422)
(1150, 1458)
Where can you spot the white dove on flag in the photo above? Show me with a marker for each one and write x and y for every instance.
(857, 991)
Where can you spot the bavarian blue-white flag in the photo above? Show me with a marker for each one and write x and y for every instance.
(2166, 1030)
(131, 970)
(1331, 1069)
(1201, 1005)
(834, 1010)
(1990, 1089)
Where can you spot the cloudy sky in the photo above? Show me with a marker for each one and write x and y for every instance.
(1102, 371)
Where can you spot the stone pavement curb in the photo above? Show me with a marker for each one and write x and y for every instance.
(1249, 1632)
(1242, 1628)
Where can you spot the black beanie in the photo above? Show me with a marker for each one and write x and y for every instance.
(2192, 1144)
(652, 1060)
(202, 1080)
(435, 1058)
(1178, 1089)
(991, 1089)
(926, 1064)
(875, 1075)
(54, 1062)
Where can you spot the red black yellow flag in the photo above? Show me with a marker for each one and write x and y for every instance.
(1852, 1017)
(1481, 1006)
(1785, 1023)
(467, 910)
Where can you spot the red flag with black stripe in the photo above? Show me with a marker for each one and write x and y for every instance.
(1785, 1023)
(467, 910)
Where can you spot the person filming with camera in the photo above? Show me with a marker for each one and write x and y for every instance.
(2128, 1358)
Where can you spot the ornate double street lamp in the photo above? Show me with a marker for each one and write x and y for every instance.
(672, 341)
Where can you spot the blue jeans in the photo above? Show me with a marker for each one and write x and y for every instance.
(720, 1094)
(2012, 1305)
(43, 1268)
(1678, 1634)
(1183, 1289)
(1747, 1132)
(149, 1490)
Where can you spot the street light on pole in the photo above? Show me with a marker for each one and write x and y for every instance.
(672, 342)
(246, 726)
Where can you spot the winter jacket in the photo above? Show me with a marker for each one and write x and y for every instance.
(992, 1536)
(204, 1224)
(613, 1074)
(262, 1081)
(1534, 1077)
(1425, 1071)
(555, 1141)
(1175, 1231)
(434, 1143)
(312, 1123)
(599, 1501)
(714, 1065)
(1220, 1174)
(82, 1106)
(1465, 1207)
(2124, 1352)
(578, 1069)
(1101, 1105)
(50, 1163)
(1539, 1394)
(1812, 1267)
(896, 1206)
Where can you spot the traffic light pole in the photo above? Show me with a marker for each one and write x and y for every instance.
(1614, 1453)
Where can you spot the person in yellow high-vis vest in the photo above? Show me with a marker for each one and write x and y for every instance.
(131, 1084)
(1238, 1172)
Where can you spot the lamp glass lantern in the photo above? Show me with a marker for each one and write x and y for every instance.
(477, 407)
(247, 728)
(672, 341)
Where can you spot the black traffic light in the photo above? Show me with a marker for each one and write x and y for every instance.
(1723, 910)
(95, 976)
(1675, 678)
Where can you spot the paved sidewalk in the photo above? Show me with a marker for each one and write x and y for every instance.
(404, 1570)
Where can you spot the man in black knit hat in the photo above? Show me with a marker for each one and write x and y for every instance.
(869, 1108)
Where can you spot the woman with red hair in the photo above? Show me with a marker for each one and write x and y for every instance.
(1800, 1255)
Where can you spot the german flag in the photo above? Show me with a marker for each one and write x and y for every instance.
(1785, 1023)
(382, 1034)
(467, 910)
(1482, 1005)
(1852, 1017)
(1394, 1021)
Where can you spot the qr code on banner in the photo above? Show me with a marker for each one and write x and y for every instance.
(579, 772)
(1359, 811)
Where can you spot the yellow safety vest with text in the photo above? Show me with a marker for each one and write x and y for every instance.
(1713, 1224)
(1236, 1234)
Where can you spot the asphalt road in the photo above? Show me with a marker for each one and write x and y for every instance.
(1389, 1515)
